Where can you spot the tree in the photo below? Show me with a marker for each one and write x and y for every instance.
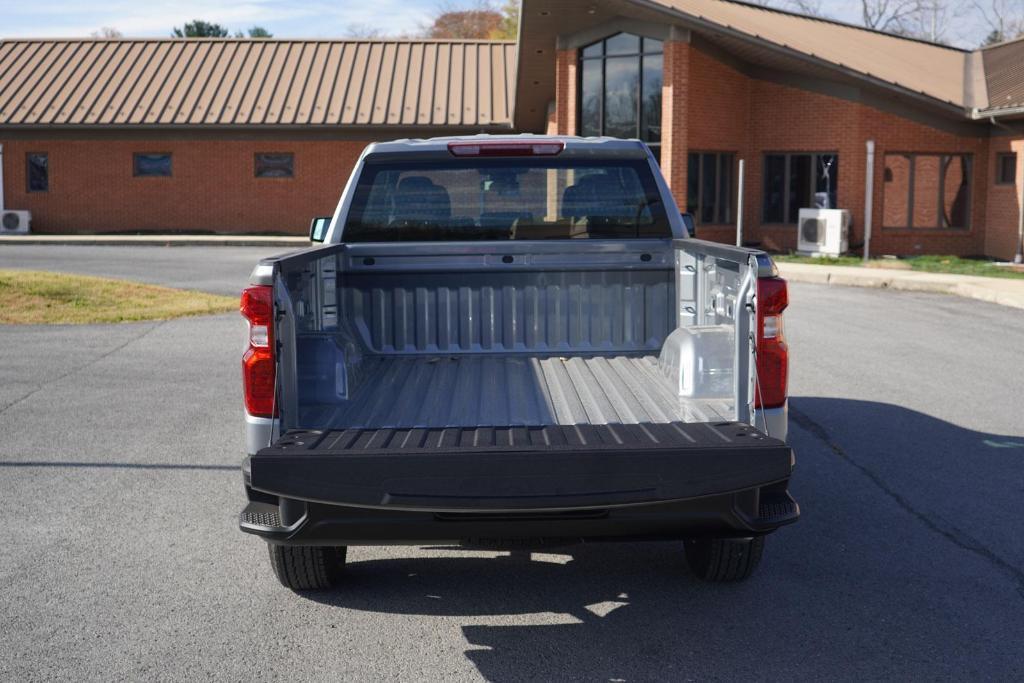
(481, 22)
(362, 32)
(107, 32)
(893, 16)
(508, 29)
(812, 8)
(198, 28)
(993, 37)
(934, 20)
(254, 32)
(1004, 19)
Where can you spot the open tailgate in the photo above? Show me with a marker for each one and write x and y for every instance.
(519, 468)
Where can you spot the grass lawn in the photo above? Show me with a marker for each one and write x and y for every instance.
(929, 264)
(36, 297)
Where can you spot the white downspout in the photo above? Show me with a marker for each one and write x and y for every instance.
(739, 209)
(869, 198)
(1, 177)
(1018, 257)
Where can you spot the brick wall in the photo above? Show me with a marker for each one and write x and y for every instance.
(1003, 206)
(896, 134)
(675, 117)
(566, 66)
(213, 186)
(709, 105)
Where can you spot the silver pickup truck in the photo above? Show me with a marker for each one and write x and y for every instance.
(513, 342)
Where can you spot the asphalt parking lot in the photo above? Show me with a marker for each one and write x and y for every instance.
(122, 559)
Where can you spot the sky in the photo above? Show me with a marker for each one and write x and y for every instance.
(294, 18)
(156, 18)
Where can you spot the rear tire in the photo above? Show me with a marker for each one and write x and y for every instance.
(303, 568)
(724, 559)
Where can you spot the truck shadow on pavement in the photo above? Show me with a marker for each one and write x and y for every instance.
(888, 574)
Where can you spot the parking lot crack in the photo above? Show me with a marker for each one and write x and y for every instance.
(955, 536)
(73, 371)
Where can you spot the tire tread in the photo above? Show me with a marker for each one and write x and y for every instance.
(724, 559)
(302, 568)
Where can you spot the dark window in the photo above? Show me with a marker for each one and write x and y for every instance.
(38, 171)
(1006, 168)
(620, 89)
(927, 191)
(797, 181)
(590, 103)
(506, 199)
(709, 181)
(152, 164)
(275, 165)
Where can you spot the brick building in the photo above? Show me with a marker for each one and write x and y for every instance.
(258, 136)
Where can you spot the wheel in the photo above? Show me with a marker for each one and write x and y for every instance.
(724, 559)
(302, 567)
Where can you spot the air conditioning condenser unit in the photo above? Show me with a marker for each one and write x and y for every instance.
(14, 222)
(823, 232)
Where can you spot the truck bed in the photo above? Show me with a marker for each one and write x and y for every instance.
(512, 390)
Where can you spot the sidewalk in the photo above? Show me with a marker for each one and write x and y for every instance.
(1004, 291)
(160, 240)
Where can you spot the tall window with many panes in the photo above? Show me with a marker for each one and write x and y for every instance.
(620, 89)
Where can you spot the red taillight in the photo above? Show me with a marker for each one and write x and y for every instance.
(505, 149)
(772, 354)
(258, 371)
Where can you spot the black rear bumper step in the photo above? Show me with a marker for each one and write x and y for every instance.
(510, 469)
(713, 516)
(777, 509)
(261, 516)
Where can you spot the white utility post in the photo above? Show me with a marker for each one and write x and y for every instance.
(739, 208)
(869, 197)
(1019, 256)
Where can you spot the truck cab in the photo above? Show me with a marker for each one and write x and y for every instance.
(513, 341)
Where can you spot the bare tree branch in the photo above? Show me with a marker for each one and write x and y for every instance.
(107, 32)
(1003, 18)
(363, 32)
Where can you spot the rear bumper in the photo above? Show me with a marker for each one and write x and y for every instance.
(651, 481)
(753, 512)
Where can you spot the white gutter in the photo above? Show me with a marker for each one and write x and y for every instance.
(991, 114)
(1, 177)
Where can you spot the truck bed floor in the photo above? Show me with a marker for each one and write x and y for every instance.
(493, 390)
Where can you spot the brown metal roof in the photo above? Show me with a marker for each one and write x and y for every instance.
(930, 69)
(225, 82)
(1004, 75)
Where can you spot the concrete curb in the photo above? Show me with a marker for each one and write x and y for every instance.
(1005, 292)
(159, 240)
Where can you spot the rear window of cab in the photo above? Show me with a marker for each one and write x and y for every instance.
(506, 199)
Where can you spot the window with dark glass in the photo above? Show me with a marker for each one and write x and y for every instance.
(506, 198)
(798, 181)
(927, 191)
(38, 171)
(709, 183)
(620, 89)
(275, 165)
(151, 164)
(1006, 168)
